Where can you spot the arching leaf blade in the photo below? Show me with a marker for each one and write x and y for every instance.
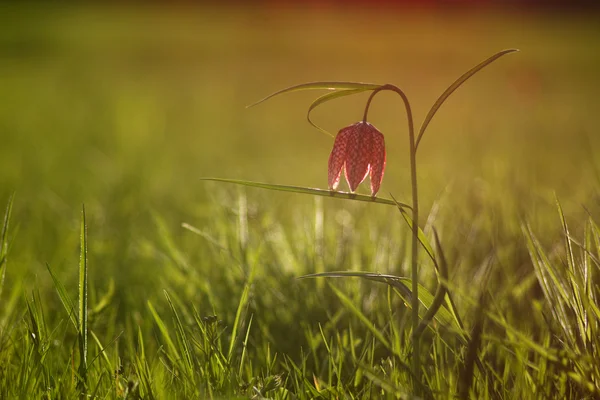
(403, 285)
(463, 78)
(322, 85)
(421, 235)
(361, 316)
(328, 97)
(311, 191)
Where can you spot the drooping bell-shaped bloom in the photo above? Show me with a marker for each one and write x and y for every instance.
(359, 149)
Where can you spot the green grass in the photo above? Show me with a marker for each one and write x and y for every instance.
(192, 288)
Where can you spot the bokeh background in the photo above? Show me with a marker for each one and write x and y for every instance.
(125, 108)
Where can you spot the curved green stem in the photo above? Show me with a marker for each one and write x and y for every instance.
(441, 290)
(415, 226)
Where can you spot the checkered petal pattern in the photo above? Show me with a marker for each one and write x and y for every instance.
(359, 150)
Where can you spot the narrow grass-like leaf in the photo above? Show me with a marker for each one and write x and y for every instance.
(463, 78)
(101, 353)
(9, 306)
(141, 365)
(440, 293)
(552, 284)
(4, 241)
(587, 261)
(328, 97)
(324, 85)
(575, 300)
(523, 339)
(210, 239)
(83, 311)
(395, 281)
(94, 394)
(388, 386)
(350, 305)
(567, 235)
(238, 318)
(169, 245)
(174, 354)
(421, 235)
(64, 297)
(403, 285)
(35, 329)
(302, 382)
(467, 373)
(312, 191)
(245, 346)
(105, 300)
(38, 341)
(182, 340)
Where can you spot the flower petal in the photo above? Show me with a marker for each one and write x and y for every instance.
(358, 154)
(378, 159)
(338, 157)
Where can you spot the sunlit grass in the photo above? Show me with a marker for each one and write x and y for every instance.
(192, 287)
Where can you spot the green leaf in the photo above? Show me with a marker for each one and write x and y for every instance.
(172, 349)
(523, 339)
(101, 352)
(464, 77)
(350, 305)
(312, 191)
(37, 328)
(324, 85)
(421, 235)
(64, 298)
(83, 311)
(443, 316)
(386, 384)
(237, 323)
(187, 362)
(105, 300)
(328, 97)
(440, 292)
(4, 241)
(551, 281)
(575, 300)
(245, 347)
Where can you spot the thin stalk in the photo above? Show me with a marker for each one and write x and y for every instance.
(416, 361)
(82, 384)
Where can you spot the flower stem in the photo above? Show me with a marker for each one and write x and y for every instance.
(416, 360)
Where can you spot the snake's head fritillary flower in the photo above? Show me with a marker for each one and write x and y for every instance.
(359, 149)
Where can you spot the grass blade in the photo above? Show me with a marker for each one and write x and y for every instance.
(403, 285)
(576, 302)
(348, 303)
(421, 235)
(4, 241)
(464, 77)
(245, 346)
(187, 362)
(552, 283)
(237, 323)
(324, 85)
(328, 97)
(427, 246)
(440, 293)
(64, 298)
(467, 373)
(101, 353)
(83, 311)
(172, 349)
(312, 191)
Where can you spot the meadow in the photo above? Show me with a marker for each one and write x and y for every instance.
(193, 288)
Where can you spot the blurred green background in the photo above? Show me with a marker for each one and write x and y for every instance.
(124, 108)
